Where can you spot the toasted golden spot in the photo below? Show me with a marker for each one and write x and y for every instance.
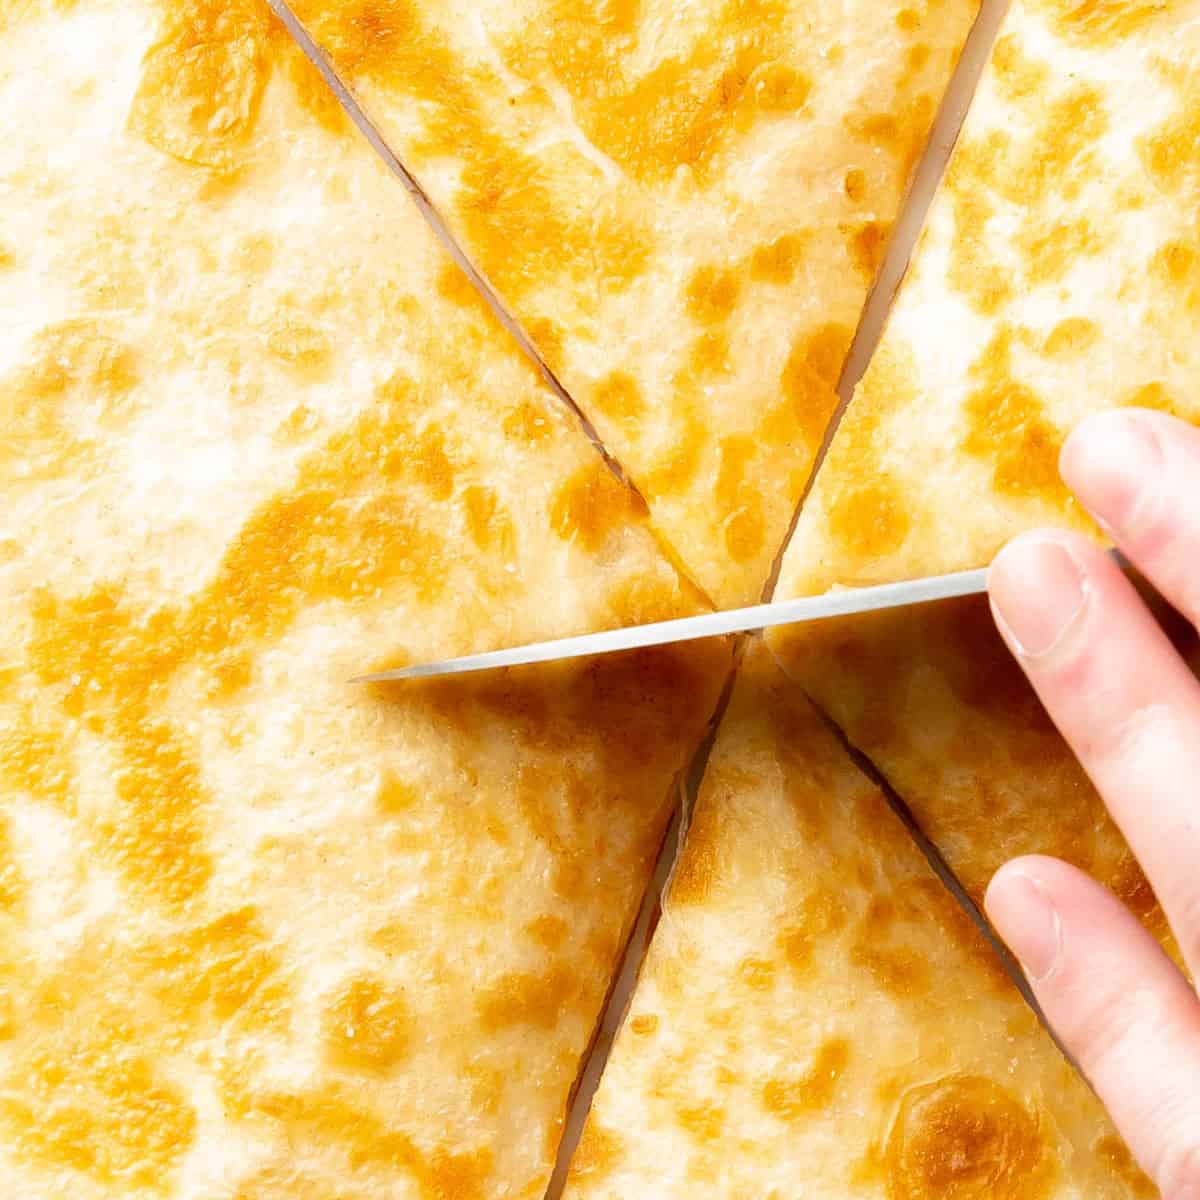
(528, 423)
(524, 998)
(683, 112)
(908, 20)
(1008, 427)
(1169, 153)
(455, 285)
(971, 271)
(490, 524)
(1112, 1151)
(640, 599)
(299, 424)
(966, 1138)
(620, 399)
(36, 761)
(317, 97)
(699, 866)
(869, 519)
(779, 88)
(216, 971)
(202, 85)
(1017, 75)
(156, 840)
(704, 1121)
(776, 262)
(591, 505)
(599, 1151)
(1060, 153)
(712, 294)
(737, 494)
(709, 353)
(867, 247)
(916, 57)
(368, 1139)
(76, 354)
(820, 915)
(1050, 251)
(792, 1098)
(677, 469)
(855, 184)
(897, 969)
(548, 930)
(1071, 336)
(1102, 22)
(1177, 265)
(8, 256)
(810, 378)
(757, 973)
(644, 1024)
(901, 134)
(368, 1026)
(81, 1097)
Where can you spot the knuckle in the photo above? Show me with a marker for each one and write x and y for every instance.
(1133, 733)
(1104, 1022)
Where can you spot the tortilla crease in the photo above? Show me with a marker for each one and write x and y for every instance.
(817, 1017)
(1059, 275)
(266, 934)
(683, 204)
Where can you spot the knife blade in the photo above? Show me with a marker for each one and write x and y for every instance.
(686, 629)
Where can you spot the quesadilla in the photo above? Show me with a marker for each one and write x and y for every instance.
(683, 205)
(266, 933)
(817, 1016)
(1057, 276)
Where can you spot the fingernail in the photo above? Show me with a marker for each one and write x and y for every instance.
(1025, 917)
(1039, 591)
(1111, 462)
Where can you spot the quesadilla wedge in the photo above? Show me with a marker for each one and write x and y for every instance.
(1057, 276)
(683, 205)
(818, 1017)
(265, 933)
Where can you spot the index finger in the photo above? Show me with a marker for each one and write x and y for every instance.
(1123, 699)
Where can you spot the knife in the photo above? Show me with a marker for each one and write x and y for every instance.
(686, 629)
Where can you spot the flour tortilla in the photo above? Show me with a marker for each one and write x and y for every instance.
(818, 1018)
(684, 206)
(1057, 277)
(265, 933)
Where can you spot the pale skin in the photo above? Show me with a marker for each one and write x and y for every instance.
(1130, 709)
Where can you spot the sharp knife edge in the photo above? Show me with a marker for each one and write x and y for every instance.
(707, 625)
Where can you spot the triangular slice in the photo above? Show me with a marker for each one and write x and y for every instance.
(817, 1016)
(265, 933)
(684, 205)
(1057, 276)
(935, 700)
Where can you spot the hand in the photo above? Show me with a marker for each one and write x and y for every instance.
(1130, 709)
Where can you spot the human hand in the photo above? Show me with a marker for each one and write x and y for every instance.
(1130, 709)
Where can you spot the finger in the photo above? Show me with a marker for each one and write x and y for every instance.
(1122, 697)
(1118, 1004)
(1138, 473)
